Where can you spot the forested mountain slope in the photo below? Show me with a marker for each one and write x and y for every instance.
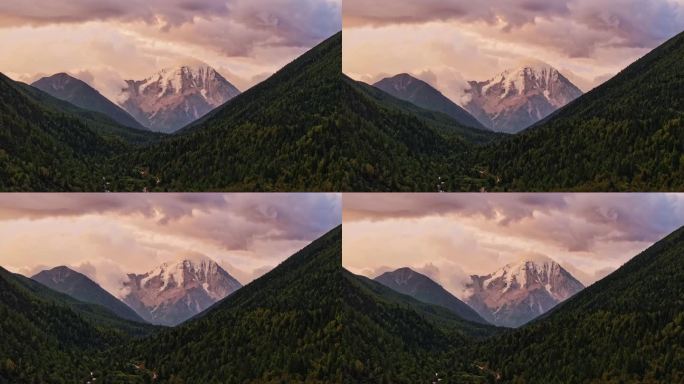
(627, 328)
(282, 134)
(627, 135)
(283, 327)
(49, 337)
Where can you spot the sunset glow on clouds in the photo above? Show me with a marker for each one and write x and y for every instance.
(106, 236)
(451, 236)
(104, 42)
(448, 42)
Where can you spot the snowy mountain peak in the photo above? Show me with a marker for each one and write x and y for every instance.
(527, 78)
(521, 291)
(177, 290)
(517, 98)
(176, 96)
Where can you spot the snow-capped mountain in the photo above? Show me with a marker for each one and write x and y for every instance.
(516, 99)
(175, 97)
(175, 291)
(519, 292)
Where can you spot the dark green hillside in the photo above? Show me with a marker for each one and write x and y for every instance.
(626, 328)
(284, 327)
(392, 145)
(442, 123)
(393, 338)
(282, 134)
(627, 135)
(99, 122)
(47, 144)
(45, 149)
(48, 337)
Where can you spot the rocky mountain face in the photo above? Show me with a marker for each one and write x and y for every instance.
(422, 94)
(175, 97)
(82, 95)
(176, 291)
(422, 288)
(518, 98)
(519, 292)
(80, 287)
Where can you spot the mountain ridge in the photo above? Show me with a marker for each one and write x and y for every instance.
(80, 287)
(77, 92)
(421, 287)
(633, 318)
(408, 88)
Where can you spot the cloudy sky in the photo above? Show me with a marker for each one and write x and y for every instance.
(451, 236)
(104, 42)
(106, 236)
(447, 42)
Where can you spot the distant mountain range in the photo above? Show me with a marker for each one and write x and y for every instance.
(178, 290)
(80, 94)
(422, 94)
(510, 102)
(518, 98)
(80, 287)
(510, 297)
(522, 291)
(175, 97)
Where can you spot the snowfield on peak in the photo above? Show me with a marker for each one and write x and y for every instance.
(517, 98)
(177, 290)
(175, 97)
(518, 292)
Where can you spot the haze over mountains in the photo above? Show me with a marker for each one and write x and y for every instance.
(175, 97)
